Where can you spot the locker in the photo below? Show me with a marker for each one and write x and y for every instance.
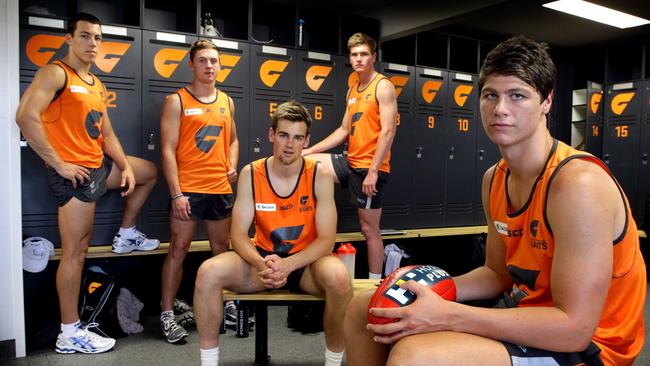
(165, 58)
(396, 213)
(644, 170)
(316, 85)
(273, 82)
(118, 67)
(621, 135)
(594, 126)
(461, 149)
(487, 154)
(431, 94)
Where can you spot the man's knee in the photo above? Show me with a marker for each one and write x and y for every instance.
(145, 171)
(408, 352)
(333, 277)
(209, 275)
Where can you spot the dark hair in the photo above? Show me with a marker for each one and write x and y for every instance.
(72, 23)
(360, 39)
(202, 44)
(291, 111)
(524, 58)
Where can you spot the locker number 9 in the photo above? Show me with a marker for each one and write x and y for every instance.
(432, 122)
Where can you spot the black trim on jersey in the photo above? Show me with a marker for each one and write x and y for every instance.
(65, 83)
(494, 173)
(252, 182)
(594, 160)
(377, 87)
(313, 181)
(532, 190)
(216, 96)
(367, 86)
(180, 100)
(92, 76)
(268, 178)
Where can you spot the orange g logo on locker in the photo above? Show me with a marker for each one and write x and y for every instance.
(166, 61)
(399, 82)
(270, 71)
(620, 102)
(41, 48)
(462, 93)
(110, 53)
(316, 75)
(228, 62)
(430, 90)
(594, 102)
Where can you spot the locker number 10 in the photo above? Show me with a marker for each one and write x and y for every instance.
(463, 124)
(622, 131)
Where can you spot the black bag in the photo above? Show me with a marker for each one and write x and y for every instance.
(306, 318)
(98, 303)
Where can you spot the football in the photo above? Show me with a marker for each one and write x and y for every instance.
(390, 295)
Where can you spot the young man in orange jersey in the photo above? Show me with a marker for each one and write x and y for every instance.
(562, 245)
(369, 127)
(199, 158)
(64, 118)
(291, 201)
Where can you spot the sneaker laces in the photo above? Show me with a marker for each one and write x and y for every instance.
(92, 336)
(170, 323)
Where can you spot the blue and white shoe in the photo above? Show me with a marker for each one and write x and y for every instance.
(138, 242)
(84, 341)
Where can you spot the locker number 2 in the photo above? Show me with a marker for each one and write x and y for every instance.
(111, 99)
(621, 131)
(463, 124)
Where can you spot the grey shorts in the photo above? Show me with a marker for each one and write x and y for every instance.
(352, 178)
(526, 356)
(206, 206)
(89, 191)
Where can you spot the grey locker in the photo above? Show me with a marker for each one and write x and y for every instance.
(487, 154)
(594, 125)
(642, 218)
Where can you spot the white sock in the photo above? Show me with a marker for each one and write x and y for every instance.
(127, 232)
(68, 330)
(210, 357)
(333, 358)
(166, 314)
(374, 276)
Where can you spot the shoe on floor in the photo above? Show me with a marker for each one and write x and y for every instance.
(138, 242)
(171, 329)
(84, 341)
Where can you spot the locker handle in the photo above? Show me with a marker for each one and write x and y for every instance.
(256, 145)
(451, 153)
(150, 144)
(418, 152)
(480, 154)
(644, 158)
(606, 159)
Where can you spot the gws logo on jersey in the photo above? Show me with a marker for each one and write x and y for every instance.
(620, 102)
(399, 82)
(594, 102)
(166, 61)
(534, 225)
(206, 137)
(461, 94)
(430, 90)
(228, 62)
(110, 53)
(41, 48)
(283, 236)
(316, 75)
(270, 71)
(93, 118)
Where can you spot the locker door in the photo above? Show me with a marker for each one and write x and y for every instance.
(431, 93)
(316, 85)
(487, 154)
(461, 149)
(273, 81)
(396, 213)
(621, 135)
(234, 80)
(594, 128)
(165, 58)
(644, 169)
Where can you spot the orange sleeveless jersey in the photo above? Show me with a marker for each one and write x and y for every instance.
(529, 255)
(73, 120)
(284, 225)
(203, 144)
(363, 111)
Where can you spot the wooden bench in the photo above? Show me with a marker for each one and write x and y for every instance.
(262, 300)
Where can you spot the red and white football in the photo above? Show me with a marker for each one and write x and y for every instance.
(390, 295)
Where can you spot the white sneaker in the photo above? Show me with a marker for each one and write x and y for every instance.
(84, 341)
(138, 242)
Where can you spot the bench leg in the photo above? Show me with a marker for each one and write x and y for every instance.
(261, 334)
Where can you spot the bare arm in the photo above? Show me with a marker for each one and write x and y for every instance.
(583, 208)
(34, 102)
(336, 138)
(387, 118)
(233, 151)
(243, 213)
(170, 124)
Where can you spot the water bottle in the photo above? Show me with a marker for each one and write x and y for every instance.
(347, 254)
(301, 22)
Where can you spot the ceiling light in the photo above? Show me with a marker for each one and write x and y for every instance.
(597, 13)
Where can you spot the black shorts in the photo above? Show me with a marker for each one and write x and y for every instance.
(293, 280)
(526, 356)
(353, 178)
(209, 206)
(89, 191)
